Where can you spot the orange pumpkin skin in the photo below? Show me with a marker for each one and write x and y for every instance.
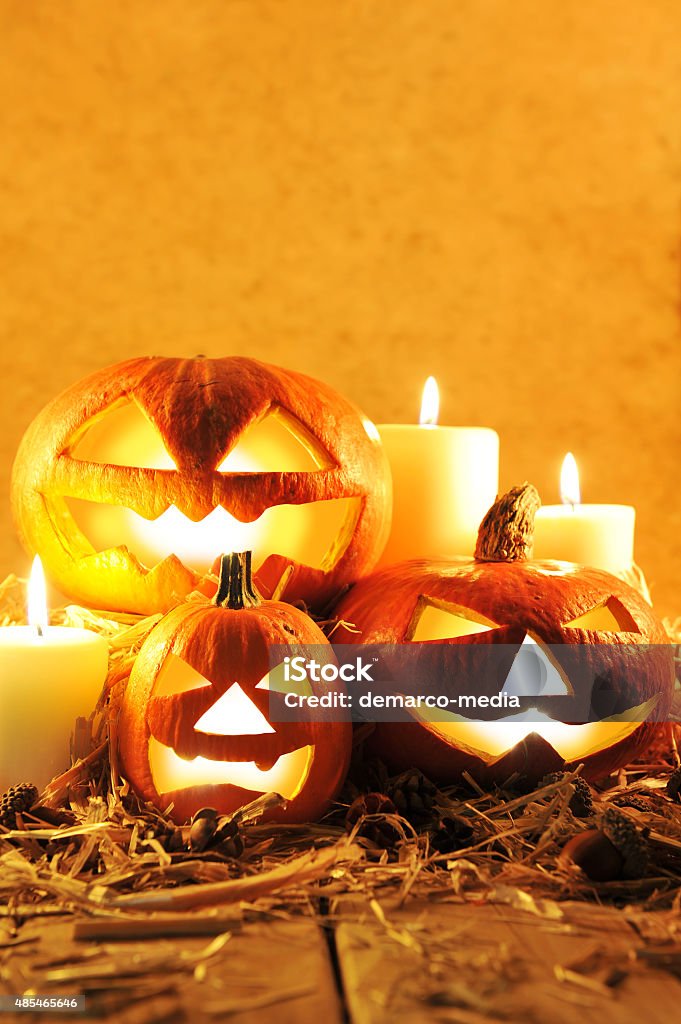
(522, 597)
(225, 645)
(200, 407)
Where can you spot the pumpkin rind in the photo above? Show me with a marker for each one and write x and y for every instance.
(224, 643)
(522, 597)
(200, 407)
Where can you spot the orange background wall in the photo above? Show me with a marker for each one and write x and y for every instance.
(369, 192)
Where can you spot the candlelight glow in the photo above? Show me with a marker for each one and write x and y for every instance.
(233, 714)
(286, 776)
(37, 598)
(532, 674)
(305, 533)
(430, 403)
(569, 481)
(124, 436)
(570, 741)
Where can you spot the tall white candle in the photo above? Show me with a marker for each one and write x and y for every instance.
(49, 675)
(444, 481)
(598, 535)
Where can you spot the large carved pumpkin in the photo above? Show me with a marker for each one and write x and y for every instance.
(194, 727)
(539, 611)
(134, 480)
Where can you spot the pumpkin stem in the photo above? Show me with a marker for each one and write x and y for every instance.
(236, 588)
(506, 533)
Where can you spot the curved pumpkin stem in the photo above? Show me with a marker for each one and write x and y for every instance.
(235, 588)
(506, 533)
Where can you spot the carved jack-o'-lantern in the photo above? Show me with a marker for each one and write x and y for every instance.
(534, 609)
(132, 482)
(194, 727)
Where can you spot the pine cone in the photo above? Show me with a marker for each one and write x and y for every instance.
(14, 801)
(369, 776)
(451, 834)
(581, 802)
(635, 800)
(673, 787)
(623, 834)
(370, 810)
(414, 797)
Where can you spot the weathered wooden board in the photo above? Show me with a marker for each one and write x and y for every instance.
(465, 964)
(264, 969)
(426, 962)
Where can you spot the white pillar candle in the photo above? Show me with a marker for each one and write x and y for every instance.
(444, 481)
(49, 675)
(598, 535)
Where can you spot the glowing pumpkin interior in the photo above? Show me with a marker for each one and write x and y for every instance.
(315, 533)
(232, 714)
(534, 673)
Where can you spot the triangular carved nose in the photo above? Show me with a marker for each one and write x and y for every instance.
(533, 673)
(234, 714)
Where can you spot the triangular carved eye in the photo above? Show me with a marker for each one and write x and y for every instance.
(234, 714)
(435, 620)
(609, 617)
(278, 443)
(122, 436)
(177, 676)
(276, 682)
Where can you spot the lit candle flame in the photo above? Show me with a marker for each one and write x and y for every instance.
(37, 598)
(430, 403)
(569, 481)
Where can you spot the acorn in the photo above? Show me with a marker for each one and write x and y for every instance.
(228, 839)
(166, 833)
(173, 841)
(615, 850)
(592, 851)
(203, 828)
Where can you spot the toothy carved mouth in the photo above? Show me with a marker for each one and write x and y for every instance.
(304, 533)
(172, 773)
(571, 742)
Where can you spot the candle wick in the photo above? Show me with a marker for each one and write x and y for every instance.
(39, 629)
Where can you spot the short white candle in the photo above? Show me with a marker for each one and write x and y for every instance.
(49, 675)
(598, 535)
(444, 481)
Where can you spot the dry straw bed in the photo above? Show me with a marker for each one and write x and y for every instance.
(88, 849)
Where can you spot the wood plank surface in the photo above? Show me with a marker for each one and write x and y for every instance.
(443, 962)
(252, 973)
(469, 964)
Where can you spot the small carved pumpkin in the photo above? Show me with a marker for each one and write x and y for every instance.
(194, 727)
(534, 608)
(132, 482)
